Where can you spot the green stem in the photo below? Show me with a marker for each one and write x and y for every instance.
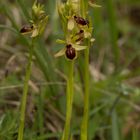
(84, 125)
(84, 7)
(66, 133)
(24, 96)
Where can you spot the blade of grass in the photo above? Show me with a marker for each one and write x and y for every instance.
(24, 8)
(135, 134)
(115, 127)
(6, 10)
(8, 28)
(40, 121)
(113, 31)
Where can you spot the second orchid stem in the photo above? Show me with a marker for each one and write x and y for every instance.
(84, 125)
(66, 133)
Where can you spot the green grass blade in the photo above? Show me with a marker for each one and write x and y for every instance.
(115, 127)
(23, 7)
(135, 134)
(113, 30)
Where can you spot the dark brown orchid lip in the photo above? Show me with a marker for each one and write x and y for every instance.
(81, 21)
(70, 52)
(26, 29)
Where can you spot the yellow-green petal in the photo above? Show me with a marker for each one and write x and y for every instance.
(60, 53)
(70, 24)
(60, 41)
(42, 24)
(87, 34)
(92, 39)
(94, 5)
(79, 47)
(35, 33)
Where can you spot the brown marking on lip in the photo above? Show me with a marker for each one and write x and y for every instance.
(81, 21)
(26, 29)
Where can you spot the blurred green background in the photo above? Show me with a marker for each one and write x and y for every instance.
(114, 74)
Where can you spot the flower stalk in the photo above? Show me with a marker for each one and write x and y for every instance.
(84, 4)
(69, 100)
(84, 124)
(25, 91)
